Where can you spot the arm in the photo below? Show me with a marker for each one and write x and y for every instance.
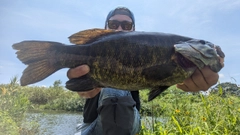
(80, 71)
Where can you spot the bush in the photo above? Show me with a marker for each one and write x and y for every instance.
(193, 114)
(68, 101)
(13, 106)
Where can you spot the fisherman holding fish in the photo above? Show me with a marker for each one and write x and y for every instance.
(99, 120)
(115, 63)
(96, 119)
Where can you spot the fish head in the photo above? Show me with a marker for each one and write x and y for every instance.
(198, 53)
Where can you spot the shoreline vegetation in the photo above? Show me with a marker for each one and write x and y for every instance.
(215, 113)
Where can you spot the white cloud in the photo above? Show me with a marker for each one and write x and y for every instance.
(229, 4)
(221, 76)
(201, 11)
(6, 63)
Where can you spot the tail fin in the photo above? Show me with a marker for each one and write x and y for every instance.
(36, 55)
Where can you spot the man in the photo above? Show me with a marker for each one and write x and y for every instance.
(99, 115)
(109, 111)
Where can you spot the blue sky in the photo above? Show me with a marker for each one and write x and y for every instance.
(217, 21)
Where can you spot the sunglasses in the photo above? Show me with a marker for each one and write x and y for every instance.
(114, 24)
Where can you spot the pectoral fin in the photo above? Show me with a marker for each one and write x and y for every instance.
(156, 91)
(159, 72)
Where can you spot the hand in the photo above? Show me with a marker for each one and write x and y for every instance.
(89, 94)
(200, 80)
(78, 72)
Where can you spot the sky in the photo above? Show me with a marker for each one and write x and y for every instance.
(217, 21)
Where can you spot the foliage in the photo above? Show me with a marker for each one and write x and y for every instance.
(13, 106)
(173, 112)
(15, 101)
(193, 114)
(54, 98)
(69, 101)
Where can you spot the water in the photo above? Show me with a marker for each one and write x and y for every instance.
(64, 123)
(56, 123)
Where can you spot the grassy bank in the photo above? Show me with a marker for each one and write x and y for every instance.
(197, 114)
(14, 104)
(179, 112)
(16, 101)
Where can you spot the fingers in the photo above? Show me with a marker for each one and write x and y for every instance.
(89, 94)
(201, 80)
(78, 71)
(210, 77)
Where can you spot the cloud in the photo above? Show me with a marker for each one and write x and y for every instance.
(229, 5)
(201, 12)
(221, 76)
(9, 69)
(6, 63)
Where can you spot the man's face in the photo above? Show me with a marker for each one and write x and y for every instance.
(116, 22)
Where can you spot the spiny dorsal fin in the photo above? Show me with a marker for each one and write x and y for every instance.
(87, 36)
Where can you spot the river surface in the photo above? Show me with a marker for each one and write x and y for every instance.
(63, 123)
(55, 122)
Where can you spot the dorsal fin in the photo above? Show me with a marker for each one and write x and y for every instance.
(87, 36)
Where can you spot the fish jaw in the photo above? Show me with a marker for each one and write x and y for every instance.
(200, 53)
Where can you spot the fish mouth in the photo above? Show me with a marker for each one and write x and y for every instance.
(185, 63)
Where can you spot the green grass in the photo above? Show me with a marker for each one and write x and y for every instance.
(194, 115)
(173, 112)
